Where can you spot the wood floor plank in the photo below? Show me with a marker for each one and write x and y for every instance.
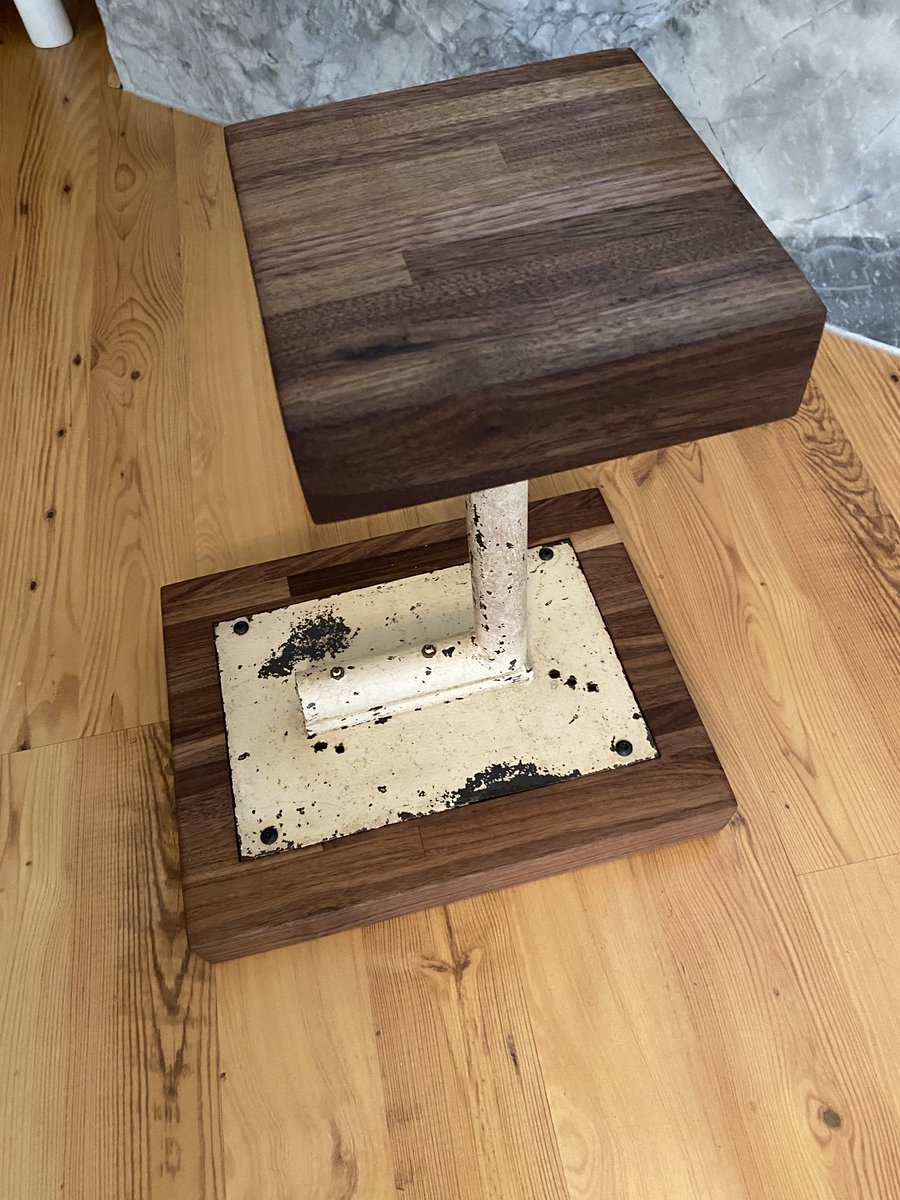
(302, 1102)
(640, 996)
(857, 912)
(109, 1051)
(36, 968)
(465, 1099)
(236, 432)
(97, 486)
(771, 561)
(137, 520)
(862, 384)
(47, 202)
(692, 1035)
(206, 199)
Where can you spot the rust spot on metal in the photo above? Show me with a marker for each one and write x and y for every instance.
(310, 640)
(504, 779)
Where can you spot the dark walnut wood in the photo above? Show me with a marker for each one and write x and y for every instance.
(493, 278)
(234, 907)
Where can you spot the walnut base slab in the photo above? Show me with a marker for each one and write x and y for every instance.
(235, 907)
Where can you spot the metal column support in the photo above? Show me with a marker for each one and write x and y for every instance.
(497, 521)
(492, 654)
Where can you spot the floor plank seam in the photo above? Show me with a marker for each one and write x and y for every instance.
(844, 866)
(87, 737)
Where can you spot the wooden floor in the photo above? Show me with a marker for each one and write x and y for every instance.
(716, 1021)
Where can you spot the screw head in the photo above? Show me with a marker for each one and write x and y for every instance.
(337, 672)
(546, 553)
(623, 747)
(268, 835)
(241, 627)
(428, 650)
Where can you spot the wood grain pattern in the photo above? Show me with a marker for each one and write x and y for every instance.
(110, 1072)
(236, 907)
(798, 558)
(670, 1067)
(492, 278)
(452, 975)
(715, 1052)
(857, 912)
(322, 1121)
(862, 388)
(137, 455)
(95, 470)
(48, 188)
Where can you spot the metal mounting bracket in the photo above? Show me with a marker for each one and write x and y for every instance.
(492, 654)
(576, 716)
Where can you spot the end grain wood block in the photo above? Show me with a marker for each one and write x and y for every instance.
(493, 278)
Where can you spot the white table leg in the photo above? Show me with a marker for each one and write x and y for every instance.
(46, 22)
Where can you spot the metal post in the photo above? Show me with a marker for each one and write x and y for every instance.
(493, 653)
(497, 521)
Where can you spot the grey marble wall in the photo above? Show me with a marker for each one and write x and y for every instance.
(800, 102)
(232, 59)
(799, 99)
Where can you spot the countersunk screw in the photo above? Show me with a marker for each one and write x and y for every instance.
(240, 627)
(337, 672)
(546, 553)
(268, 835)
(428, 650)
(623, 747)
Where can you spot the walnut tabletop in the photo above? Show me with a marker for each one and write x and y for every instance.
(483, 280)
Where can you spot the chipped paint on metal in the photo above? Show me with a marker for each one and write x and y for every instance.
(490, 651)
(497, 522)
(310, 639)
(566, 721)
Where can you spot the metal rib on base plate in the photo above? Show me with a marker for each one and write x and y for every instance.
(491, 654)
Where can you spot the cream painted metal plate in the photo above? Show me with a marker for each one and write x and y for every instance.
(576, 716)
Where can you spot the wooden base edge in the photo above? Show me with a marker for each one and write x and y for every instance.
(369, 910)
(236, 908)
